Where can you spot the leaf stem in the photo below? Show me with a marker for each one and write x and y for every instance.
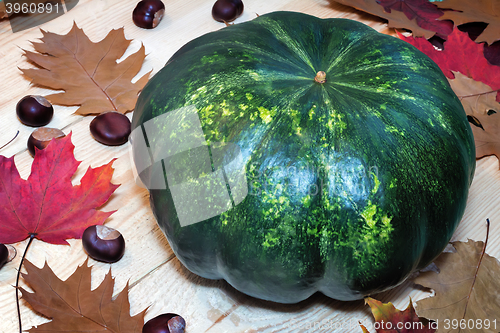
(15, 136)
(478, 94)
(32, 236)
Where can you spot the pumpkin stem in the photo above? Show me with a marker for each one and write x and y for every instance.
(320, 77)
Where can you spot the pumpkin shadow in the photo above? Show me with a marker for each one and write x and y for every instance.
(317, 307)
(240, 299)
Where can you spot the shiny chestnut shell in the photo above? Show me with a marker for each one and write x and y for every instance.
(239, 6)
(41, 137)
(4, 255)
(111, 128)
(7, 253)
(103, 243)
(148, 13)
(165, 323)
(35, 111)
(227, 10)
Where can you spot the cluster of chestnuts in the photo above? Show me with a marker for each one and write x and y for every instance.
(108, 245)
(101, 243)
(109, 128)
(227, 10)
(148, 13)
(36, 111)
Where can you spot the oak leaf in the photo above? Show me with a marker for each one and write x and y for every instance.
(88, 72)
(388, 319)
(483, 112)
(47, 205)
(396, 19)
(466, 289)
(74, 307)
(465, 11)
(460, 54)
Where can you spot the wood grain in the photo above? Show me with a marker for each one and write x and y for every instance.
(157, 279)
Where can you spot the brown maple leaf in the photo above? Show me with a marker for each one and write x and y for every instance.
(466, 289)
(465, 11)
(483, 112)
(388, 319)
(46, 205)
(88, 72)
(74, 307)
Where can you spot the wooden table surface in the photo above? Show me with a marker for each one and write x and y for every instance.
(156, 278)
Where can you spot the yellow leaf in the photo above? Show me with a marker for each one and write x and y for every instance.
(388, 319)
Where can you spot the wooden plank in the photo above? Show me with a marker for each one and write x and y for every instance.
(156, 277)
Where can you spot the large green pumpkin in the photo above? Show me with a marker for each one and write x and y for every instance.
(284, 185)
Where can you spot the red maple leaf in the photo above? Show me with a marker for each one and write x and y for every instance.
(425, 13)
(46, 205)
(388, 319)
(460, 54)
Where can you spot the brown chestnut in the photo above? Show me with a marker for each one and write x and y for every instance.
(111, 128)
(239, 6)
(4, 255)
(41, 137)
(34, 111)
(227, 10)
(165, 323)
(103, 243)
(148, 13)
(7, 253)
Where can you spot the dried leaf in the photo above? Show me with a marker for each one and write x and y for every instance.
(399, 19)
(492, 53)
(424, 12)
(463, 291)
(88, 72)
(388, 319)
(47, 205)
(486, 129)
(478, 100)
(476, 97)
(465, 11)
(73, 307)
(460, 54)
(3, 14)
